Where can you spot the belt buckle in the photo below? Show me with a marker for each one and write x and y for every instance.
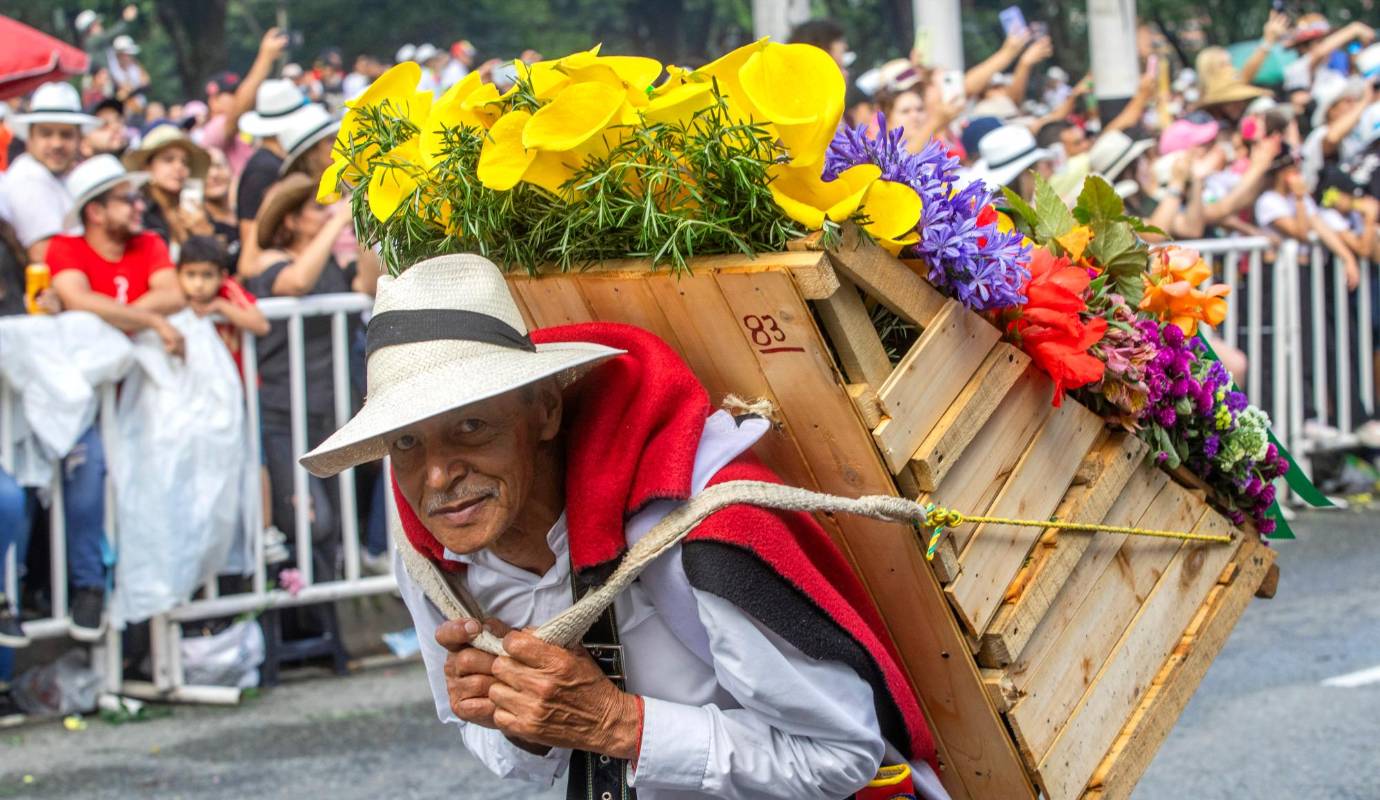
(609, 657)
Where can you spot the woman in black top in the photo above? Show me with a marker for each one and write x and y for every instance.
(171, 159)
(296, 235)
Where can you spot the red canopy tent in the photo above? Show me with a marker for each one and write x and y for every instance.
(30, 58)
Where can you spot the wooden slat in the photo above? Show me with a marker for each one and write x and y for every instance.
(1112, 462)
(929, 378)
(994, 553)
(813, 272)
(978, 756)
(1130, 509)
(865, 400)
(1126, 676)
(1179, 678)
(967, 414)
(855, 340)
(885, 280)
(628, 300)
(1053, 690)
(552, 300)
(974, 481)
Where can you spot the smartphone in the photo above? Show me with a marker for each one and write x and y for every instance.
(1013, 21)
(193, 194)
(951, 87)
(1277, 6)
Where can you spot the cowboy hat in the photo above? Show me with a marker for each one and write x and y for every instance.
(1114, 151)
(283, 198)
(55, 103)
(94, 177)
(161, 138)
(445, 334)
(278, 105)
(314, 124)
(1007, 152)
(1228, 88)
(1329, 87)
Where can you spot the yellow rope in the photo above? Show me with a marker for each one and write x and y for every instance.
(938, 518)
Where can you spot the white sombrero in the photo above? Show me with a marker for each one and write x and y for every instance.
(444, 334)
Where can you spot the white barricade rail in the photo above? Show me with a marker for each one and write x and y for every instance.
(1240, 262)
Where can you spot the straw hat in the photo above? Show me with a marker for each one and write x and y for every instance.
(314, 124)
(94, 177)
(278, 105)
(55, 103)
(283, 198)
(161, 138)
(1329, 87)
(444, 334)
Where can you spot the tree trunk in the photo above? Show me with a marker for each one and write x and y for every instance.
(196, 29)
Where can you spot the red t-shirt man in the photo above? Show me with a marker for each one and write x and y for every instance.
(125, 280)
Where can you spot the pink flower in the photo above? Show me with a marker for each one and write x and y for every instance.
(290, 581)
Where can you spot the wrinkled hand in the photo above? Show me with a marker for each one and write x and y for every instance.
(173, 342)
(469, 670)
(559, 697)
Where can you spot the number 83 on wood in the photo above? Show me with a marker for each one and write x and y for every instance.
(767, 335)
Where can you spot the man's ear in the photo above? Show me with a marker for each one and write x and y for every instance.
(550, 407)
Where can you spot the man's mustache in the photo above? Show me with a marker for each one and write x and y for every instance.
(456, 497)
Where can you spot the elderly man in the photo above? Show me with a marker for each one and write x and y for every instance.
(33, 197)
(747, 661)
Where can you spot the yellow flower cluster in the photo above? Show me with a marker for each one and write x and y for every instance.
(1172, 293)
(564, 111)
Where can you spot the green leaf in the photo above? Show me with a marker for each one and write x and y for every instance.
(1139, 226)
(1122, 256)
(1053, 218)
(1099, 200)
(1021, 208)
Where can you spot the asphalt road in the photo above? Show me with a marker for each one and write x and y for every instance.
(1262, 726)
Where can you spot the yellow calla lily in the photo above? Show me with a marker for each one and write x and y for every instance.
(679, 103)
(399, 80)
(503, 160)
(893, 208)
(550, 171)
(395, 179)
(328, 190)
(725, 70)
(633, 74)
(809, 200)
(895, 246)
(578, 113)
(449, 112)
(484, 103)
(799, 89)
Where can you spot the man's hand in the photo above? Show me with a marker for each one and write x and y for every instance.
(1276, 26)
(559, 697)
(1015, 42)
(469, 670)
(273, 44)
(48, 302)
(1353, 271)
(1039, 50)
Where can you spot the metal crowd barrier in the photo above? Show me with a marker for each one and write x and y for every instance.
(1274, 342)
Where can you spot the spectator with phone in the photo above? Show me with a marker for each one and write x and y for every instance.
(171, 160)
(230, 97)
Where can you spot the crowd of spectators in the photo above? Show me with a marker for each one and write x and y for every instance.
(140, 209)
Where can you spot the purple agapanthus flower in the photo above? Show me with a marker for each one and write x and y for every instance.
(977, 264)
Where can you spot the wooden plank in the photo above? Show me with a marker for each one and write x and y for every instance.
(979, 758)
(994, 553)
(1130, 509)
(884, 279)
(1128, 673)
(813, 271)
(1112, 465)
(628, 300)
(1053, 689)
(967, 414)
(1270, 584)
(710, 341)
(980, 472)
(865, 400)
(855, 340)
(552, 300)
(1138, 742)
(999, 688)
(928, 379)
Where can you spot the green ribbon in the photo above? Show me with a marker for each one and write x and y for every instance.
(1297, 480)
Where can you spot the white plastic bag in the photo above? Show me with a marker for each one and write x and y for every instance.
(229, 658)
(65, 686)
(178, 464)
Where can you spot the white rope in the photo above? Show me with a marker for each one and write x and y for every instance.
(570, 626)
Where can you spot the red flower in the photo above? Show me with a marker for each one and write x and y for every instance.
(1051, 329)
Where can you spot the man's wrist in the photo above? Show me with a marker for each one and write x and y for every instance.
(626, 734)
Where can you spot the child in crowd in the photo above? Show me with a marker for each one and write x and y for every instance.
(203, 270)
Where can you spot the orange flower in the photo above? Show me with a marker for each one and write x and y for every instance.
(1172, 293)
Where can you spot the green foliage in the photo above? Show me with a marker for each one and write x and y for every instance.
(1052, 218)
(1123, 256)
(667, 192)
(1098, 201)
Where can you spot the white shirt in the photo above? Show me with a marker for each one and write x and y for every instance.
(731, 709)
(33, 200)
(1272, 206)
